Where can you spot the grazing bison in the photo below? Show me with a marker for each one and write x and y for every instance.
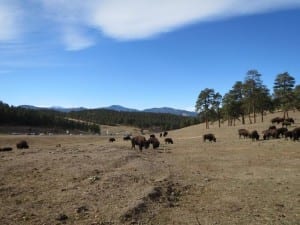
(112, 139)
(296, 133)
(286, 123)
(281, 131)
(127, 138)
(168, 140)
(243, 132)
(254, 135)
(5, 149)
(154, 141)
(165, 133)
(288, 134)
(140, 141)
(291, 120)
(210, 137)
(277, 120)
(22, 145)
(270, 133)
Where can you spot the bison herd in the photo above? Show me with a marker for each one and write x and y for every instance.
(20, 145)
(273, 132)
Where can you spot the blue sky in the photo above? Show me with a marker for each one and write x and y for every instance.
(141, 53)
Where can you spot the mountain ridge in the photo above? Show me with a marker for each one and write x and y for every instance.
(118, 108)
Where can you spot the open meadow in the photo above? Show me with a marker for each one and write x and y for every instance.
(87, 180)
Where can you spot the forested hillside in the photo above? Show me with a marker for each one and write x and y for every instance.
(17, 116)
(89, 120)
(142, 120)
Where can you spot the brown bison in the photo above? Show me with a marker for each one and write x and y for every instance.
(291, 120)
(165, 133)
(127, 138)
(168, 140)
(254, 135)
(5, 149)
(140, 141)
(296, 133)
(243, 132)
(210, 137)
(154, 141)
(112, 139)
(152, 136)
(270, 133)
(288, 134)
(281, 131)
(22, 145)
(277, 120)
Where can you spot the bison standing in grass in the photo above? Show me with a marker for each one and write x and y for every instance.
(168, 140)
(140, 141)
(22, 145)
(254, 135)
(296, 133)
(270, 133)
(112, 139)
(243, 132)
(277, 120)
(154, 141)
(281, 131)
(210, 137)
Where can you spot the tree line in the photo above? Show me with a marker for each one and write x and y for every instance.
(88, 120)
(18, 116)
(249, 99)
(143, 120)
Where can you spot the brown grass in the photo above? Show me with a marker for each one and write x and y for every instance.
(90, 181)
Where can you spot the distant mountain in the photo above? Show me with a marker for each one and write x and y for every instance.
(66, 110)
(178, 112)
(118, 108)
(55, 108)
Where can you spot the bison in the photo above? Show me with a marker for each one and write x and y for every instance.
(152, 136)
(288, 134)
(127, 138)
(243, 132)
(154, 141)
(22, 145)
(168, 140)
(5, 149)
(277, 120)
(254, 135)
(291, 120)
(165, 133)
(281, 131)
(140, 141)
(270, 133)
(210, 137)
(296, 133)
(112, 139)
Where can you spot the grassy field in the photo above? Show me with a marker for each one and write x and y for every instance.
(86, 180)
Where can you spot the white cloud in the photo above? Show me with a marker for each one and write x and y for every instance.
(134, 19)
(128, 19)
(76, 39)
(10, 20)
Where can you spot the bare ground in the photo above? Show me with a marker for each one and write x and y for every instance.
(89, 181)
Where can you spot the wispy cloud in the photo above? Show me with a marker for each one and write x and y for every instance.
(10, 20)
(76, 39)
(135, 19)
(128, 19)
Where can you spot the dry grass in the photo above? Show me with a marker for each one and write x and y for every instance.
(90, 181)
